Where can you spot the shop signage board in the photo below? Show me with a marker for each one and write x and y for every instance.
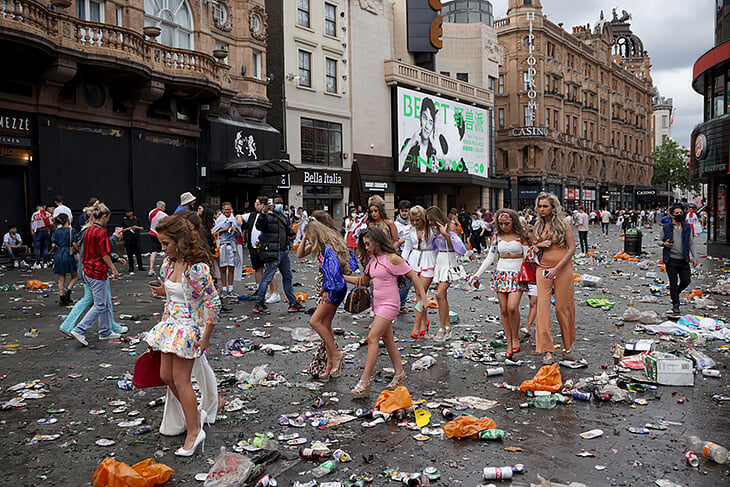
(438, 135)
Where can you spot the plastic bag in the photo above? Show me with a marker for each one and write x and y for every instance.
(423, 363)
(468, 426)
(229, 470)
(258, 374)
(301, 297)
(391, 401)
(632, 314)
(304, 335)
(147, 473)
(35, 284)
(588, 280)
(649, 317)
(547, 379)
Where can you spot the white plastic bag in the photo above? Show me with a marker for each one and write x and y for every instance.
(631, 314)
(229, 470)
(423, 363)
(588, 280)
(649, 318)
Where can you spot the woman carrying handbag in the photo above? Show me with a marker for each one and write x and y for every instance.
(191, 309)
(509, 249)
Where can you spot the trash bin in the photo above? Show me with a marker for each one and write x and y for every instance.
(632, 241)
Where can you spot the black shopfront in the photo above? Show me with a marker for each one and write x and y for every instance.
(240, 160)
(528, 187)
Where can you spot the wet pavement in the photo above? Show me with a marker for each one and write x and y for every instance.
(78, 380)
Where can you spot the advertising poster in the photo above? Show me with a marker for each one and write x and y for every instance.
(436, 135)
(721, 212)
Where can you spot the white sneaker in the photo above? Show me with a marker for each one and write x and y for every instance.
(273, 298)
(36, 266)
(124, 329)
(16, 264)
(110, 336)
(81, 338)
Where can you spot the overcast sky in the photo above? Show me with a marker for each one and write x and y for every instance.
(675, 33)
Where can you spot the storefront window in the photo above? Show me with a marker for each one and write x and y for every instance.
(321, 142)
(719, 96)
(721, 233)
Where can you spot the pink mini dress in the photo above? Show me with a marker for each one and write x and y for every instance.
(386, 300)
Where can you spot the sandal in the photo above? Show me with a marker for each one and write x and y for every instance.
(398, 380)
(414, 334)
(443, 334)
(508, 355)
(567, 351)
(425, 330)
(336, 371)
(515, 350)
(362, 389)
(547, 358)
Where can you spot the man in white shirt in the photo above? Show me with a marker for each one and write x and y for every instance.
(14, 248)
(61, 208)
(605, 221)
(403, 224)
(581, 222)
(157, 214)
(227, 232)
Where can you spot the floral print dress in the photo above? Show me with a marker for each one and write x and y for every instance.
(190, 306)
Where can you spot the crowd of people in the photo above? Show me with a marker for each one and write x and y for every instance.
(527, 252)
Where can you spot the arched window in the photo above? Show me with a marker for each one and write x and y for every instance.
(175, 20)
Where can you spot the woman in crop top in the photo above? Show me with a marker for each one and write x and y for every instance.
(422, 259)
(509, 250)
(385, 268)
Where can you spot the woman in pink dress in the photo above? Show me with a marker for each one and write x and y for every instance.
(385, 268)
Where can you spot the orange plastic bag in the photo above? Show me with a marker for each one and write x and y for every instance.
(576, 277)
(468, 426)
(590, 254)
(547, 379)
(147, 473)
(391, 401)
(432, 303)
(694, 293)
(35, 284)
(248, 271)
(301, 297)
(295, 246)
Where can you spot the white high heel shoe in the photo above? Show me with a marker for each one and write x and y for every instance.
(181, 452)
(203, 417)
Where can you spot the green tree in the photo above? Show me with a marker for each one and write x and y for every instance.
(671, 165)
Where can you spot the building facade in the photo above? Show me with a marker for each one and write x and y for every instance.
(710, 149)
(573, 110)
(116, 100)
(418, 134)
(661, 117)
(308, 56)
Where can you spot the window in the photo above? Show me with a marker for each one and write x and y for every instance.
(445, 73)
(330, 75)
(118, 16)
(330, 20)
(547, 82)
(555, 119)
(567, 92)
(256, 64)
(220, 13)
(525, 157)
(90, 10)
(305, 68)
(173, 17)
(585, 130)
(525, 81)
(303, 13)
(501, 117)
(529, 117)
(321, 142)
(567, 124)
(500, 85)
(664, 138)
(463, 77)
(547, 117)
(491, 83)
(665, 121)
(505, 159)
(590, 133)
(575, 125)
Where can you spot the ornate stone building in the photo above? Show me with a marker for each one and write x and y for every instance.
(129, 101)
(573, 110)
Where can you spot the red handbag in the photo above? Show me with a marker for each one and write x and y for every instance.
(528, 272)
(147, 370)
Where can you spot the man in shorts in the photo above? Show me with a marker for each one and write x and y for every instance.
(157, 214)
(227, 232)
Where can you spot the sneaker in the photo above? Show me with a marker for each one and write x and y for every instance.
(296, 308)
(273, 298)
(110, 336)
(16, 264)
(151, 273)
(124, 329)
(261, 309)
(36, 266)
(80, 338)
(46, 265)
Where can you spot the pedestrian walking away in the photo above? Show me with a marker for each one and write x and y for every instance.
(555, 247)
(509, 249)
(605, 221)
(191, 310)
(678, 253)
(448, 246)
(581, 223)
(41, 225)
(131, 228)
(385, 268)
(154, 216)
(64, 241)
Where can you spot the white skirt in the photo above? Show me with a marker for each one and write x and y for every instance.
(444, 261)
(422, 262)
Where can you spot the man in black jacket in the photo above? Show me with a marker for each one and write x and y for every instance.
(274, 252)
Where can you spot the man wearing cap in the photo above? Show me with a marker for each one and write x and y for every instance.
(187, 202)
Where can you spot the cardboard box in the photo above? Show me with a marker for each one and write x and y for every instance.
(669, 370)
(453, 317)
(635, 346)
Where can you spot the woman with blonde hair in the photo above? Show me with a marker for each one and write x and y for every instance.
(446, 243)
(421, 257)
(329, 249)
(555, 246)
(191, 309)
(509, 249)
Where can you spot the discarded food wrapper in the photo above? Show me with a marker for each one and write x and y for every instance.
(589, 435)
(228, 470)
(636, 346)
(423, 363)
(589, 280)
(105, 442)
(147, 473)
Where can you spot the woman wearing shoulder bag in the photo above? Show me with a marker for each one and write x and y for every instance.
(448, 245)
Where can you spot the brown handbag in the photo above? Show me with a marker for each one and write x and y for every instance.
(147, 370)
(358, 299)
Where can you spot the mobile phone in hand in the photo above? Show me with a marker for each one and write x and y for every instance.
(545, 272)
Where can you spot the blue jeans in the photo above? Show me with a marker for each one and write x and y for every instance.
(404, 292)
(604, 228)
(284, 266)
(40, 241)
(82, 305)
(102, 308)
(16, 254)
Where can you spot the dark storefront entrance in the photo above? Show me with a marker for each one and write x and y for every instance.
(15, 157)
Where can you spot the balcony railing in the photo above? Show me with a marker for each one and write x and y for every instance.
(501, 22)
(399, 72)
(32, 17)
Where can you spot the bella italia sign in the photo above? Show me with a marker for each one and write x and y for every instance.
(531, 74)
(316, 177)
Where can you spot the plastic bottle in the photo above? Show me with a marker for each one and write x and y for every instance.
(311, 453)
(491, 434)
(543, 402)
(324, 469)
(708, 449)
(157, 402)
